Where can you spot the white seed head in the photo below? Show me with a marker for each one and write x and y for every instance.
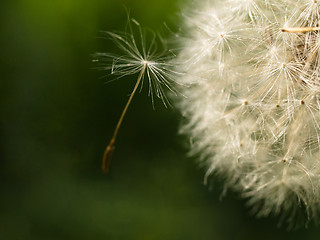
(253, 106)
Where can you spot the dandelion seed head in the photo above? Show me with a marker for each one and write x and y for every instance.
(252, 109)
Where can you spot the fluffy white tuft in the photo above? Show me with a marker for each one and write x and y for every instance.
(253, 106)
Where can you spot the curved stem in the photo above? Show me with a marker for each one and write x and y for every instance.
(106, 160)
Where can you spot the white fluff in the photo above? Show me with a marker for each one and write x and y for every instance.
(253, 106)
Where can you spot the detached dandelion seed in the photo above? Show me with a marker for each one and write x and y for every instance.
(142, 56)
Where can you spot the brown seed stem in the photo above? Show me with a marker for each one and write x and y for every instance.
(299, 30)
(107, 157)
(106, 160)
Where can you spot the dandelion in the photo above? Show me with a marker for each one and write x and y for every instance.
(142, 56)
(251, 96)
(253, 108)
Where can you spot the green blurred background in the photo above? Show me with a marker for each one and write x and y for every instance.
(57, 115)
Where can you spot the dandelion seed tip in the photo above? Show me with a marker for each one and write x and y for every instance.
(284, 160)
(221, 35)
(245, 102)
(302, 102)
(278, 105)
(283, 65)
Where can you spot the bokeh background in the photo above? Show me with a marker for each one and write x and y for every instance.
(56, 116)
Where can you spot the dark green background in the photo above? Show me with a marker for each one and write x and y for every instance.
(57, 115)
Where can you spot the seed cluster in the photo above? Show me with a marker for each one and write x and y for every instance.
(252, 108)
